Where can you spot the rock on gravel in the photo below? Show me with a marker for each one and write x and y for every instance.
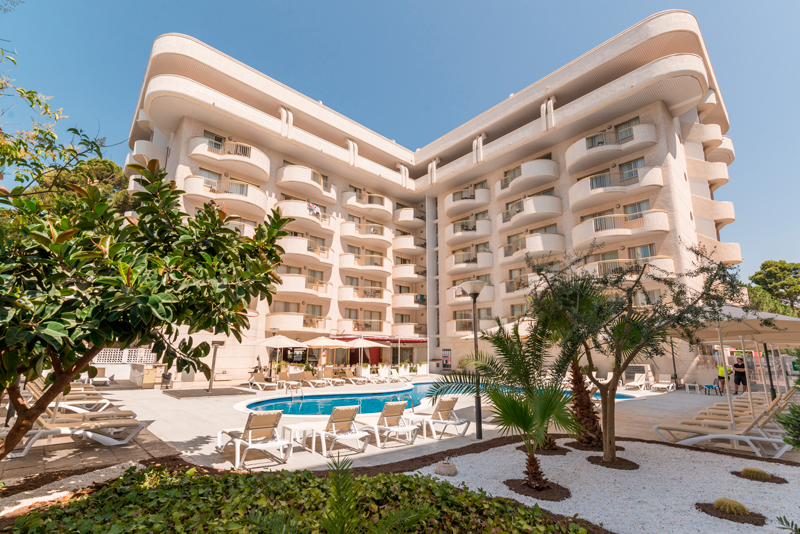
(660, 496)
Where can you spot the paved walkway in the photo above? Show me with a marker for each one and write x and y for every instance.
(190, 426)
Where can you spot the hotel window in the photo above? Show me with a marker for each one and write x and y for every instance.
(517, 310)
(402, 261)
(482, 247)
(210, 177)
(214, 141)
(509, 176)
(629, 170)
(288, 269)
(315, 274)
(484, 314)
(647, 298)
(318, 240)
(354, 219)
(643, 251)
(403, 289)
(514, 273)
(372, 315)
(634, 211)
(482, 216)
(351, 281)
(314, 309)
(398, 232)
(547, 192)
(373, 283)
(462, 315)
(597, 215)
(609, 256)
(486, 278)
(351, 314)
(459, 282)
(549, 229)
(353, 250)
(399, 206)
(625, 130)
(280, 306)
(512, 239)
(284, 196)
(368, 252)
(402, 318)
(481, 185)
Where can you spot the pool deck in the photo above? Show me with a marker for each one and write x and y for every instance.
(189, 426)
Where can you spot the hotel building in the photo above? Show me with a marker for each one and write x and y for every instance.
(625, 145)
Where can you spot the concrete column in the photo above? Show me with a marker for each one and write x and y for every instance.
(432, 261)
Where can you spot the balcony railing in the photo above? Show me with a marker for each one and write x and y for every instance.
(464, 325)
(419, 215)
(419, 299)
(362, 198)
(464, 194)
(322, 182)
(465, 257)
(609, 137)
(316, 284)
(516, 207)
(370, 229)
(613, 222)
(613, 179)
(368, 326)
(520, 282)
(367, 260)
(465, 226)
(230, 187)
(622, 266)
(368, 292)
(229, 147)
(316, 248)
(314, 321)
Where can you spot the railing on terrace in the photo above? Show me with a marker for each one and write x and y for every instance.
(229, 147)
(322, 182)
(465, 226)
(316, 248)
(465, 257)
(610, 137)
(418, 214)
(624, 222)
(464, 194)
(368, 292)
(121, 356)
(623, 266)
(520, 282)
(368, 260)
(464, 325)
(314, 321)
(419, 298)
(370, 229)
(516, 207)
(368, 326)
(362, 198)
(613, 179)
(231, 187)
(315, 284)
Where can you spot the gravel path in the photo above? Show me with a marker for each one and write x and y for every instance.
(658, 497)
(60, 488)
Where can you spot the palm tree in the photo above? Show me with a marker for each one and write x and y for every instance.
(526, 400)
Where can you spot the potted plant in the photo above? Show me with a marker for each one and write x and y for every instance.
(422, 368)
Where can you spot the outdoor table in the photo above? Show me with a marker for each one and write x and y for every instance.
(696, 386)
(297, 429)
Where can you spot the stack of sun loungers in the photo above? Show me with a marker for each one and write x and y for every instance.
(757, 429)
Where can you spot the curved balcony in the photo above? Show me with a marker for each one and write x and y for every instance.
(376, 296)
(530, 210)
(237, 197)
(409, 330)
(366, 264)
(307, 182)
(238, 158)
(518, 288)
(409, 244)
(409, 218)
(465, 200)
(721, 212)
(662, 266)
(351, 326)
(715, 173)
(143, 120)
(296, 322)
(133, 185)
(455, 296)
(409, 301)
(408, 272)
(305, 251)
(467, 262)
(724, 153)
(531, 174)
(305, 216)
(373, 206)
(302, 285)
(710, 135)
(466, 231)
(463, 327)
(608, 145)
(368, 234)
(245, 230)
(143, 151)
(606, 187)
(615, 228)
(727, 253)
(534, 245)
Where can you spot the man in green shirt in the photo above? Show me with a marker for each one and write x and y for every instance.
(722, 372)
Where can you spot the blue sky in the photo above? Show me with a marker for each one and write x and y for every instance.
(413, 71)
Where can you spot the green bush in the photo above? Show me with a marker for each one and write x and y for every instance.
(157, 501)
(791, 424)
(729, 506)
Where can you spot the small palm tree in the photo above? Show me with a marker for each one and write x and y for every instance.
(526, 399)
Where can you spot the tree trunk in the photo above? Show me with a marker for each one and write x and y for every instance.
(607, 396)
(549, 442)
(26, 418)
(534, 477)
(590, 433)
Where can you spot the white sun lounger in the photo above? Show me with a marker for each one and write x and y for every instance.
(260, 433)
(391, 421)
(638, 382)
(393, 374)
(342, 426)
(258, 380)
(107, 432)
(444, 414)
(353, 379)
(664, 382)
(327, 375)
(309, 379)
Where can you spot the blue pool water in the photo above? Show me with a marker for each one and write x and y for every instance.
(369, 402)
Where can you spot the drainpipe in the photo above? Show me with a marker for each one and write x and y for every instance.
(543, 115)
(403, 174)
(352, 148)
(287, 120)
(551, 117)
(477, 148)
(432, 169)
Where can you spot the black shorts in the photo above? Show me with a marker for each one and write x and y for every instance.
(740, 379)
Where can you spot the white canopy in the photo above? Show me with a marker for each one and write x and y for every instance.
(362, 343)
(323, 342)
(279, 342)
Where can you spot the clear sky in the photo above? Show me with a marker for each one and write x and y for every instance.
(412, 71)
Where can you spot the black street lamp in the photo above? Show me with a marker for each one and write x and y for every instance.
(473, 288)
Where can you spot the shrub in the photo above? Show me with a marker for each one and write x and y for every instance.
(729, 506)
(754, 473)
(791, 424)
(155, 500)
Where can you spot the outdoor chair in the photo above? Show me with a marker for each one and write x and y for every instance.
(260, 433)
(391, 421)
(258, 380)
(283, 381)
(327, 375)
(309, 379)
(444, 414)
(665, 382)
(341, 426)
(352, 378)
(638, 382)
(397, 378)
(74, 401)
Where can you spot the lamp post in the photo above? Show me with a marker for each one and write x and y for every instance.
(473, 288)
(215, 345)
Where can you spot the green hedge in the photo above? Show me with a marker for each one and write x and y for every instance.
(155, 500)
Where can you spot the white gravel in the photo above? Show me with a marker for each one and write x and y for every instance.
(659, 497)
(60, 488)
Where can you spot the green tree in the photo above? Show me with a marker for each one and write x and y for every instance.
(617, 318)
(527, 401)
(761, 300)
(780, 279)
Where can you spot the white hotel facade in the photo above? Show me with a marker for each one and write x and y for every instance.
(625, 145)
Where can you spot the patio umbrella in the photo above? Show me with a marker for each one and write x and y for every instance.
(277, 342)
(323, 342)
(362, 343)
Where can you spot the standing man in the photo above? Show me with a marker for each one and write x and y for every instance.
(722, 372)
(739, 376)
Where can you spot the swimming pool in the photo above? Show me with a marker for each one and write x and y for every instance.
(368, 402)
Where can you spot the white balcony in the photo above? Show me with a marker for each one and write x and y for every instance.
(467, 262)
(529, 211)
(465, 200)
(409, 244)
(715, 173)
(362, 327)
(307, 182)
(727, 253)
(244, 230)
(133, 185)
(409, 218)
(532, 174)
(409, 330)
(366, 264)
(661, 266)
(724, 153)
(536, 246)
(238, 158)
(518, 288)
(607, 187)
(721, 212)
(608, 145)
(301, 285)
(408, 272)
(143, 151)
(297, 322)
(466, 231)
(409, 301)
(463, 327)
(375, 296)
(615, 228)
(306, 217)
(368, 234)
(710, 135)
(373, 206)
(243, 199)
(143, 120)
(455, 296)
(305, 251)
